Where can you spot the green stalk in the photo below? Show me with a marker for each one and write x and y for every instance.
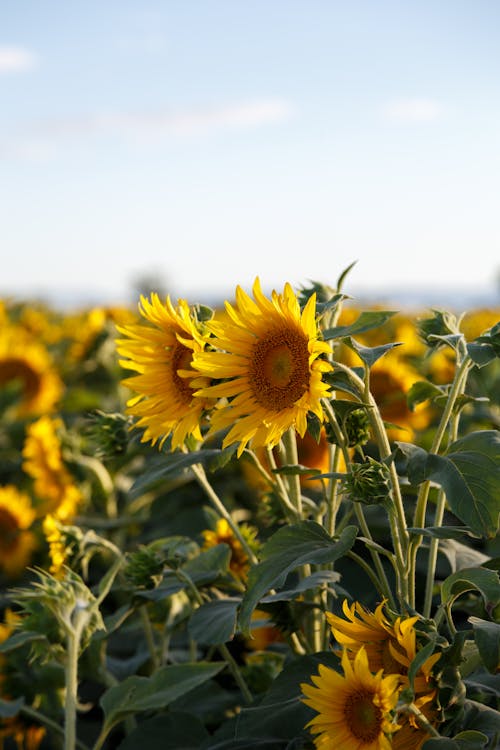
(201, 477)
(223, 649)
(457, 388)
(70, 697)
(357, 509)
(292, 459)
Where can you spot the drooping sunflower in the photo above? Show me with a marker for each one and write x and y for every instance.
(161, 352)
(43, 461)
(17, 541)
(26, 361)
(268, 357)
(354, 710)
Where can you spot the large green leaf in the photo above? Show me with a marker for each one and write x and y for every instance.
(8, 709)
(485, 581)
(469, 475)
(173, 731)
(289, 548)
(137, 694)
(468, 740)
(214, 622)
(280, 716)
(487, 637)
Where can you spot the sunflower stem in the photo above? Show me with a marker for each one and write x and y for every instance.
(201, 477)
(223, 649)
(292, 459)
(457, 388)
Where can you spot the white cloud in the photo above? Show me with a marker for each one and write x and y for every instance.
(16, 59)
(191, 122)
(413, 110)
(45, 140)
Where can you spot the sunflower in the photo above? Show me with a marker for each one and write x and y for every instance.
(43, 462)
(268, 357)
(390, 647)
(58, 551)
(25, 361)
(17, 542)
(162, 352)
(223, 534)
(354, 711)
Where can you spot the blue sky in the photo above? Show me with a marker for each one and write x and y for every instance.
(205, 142)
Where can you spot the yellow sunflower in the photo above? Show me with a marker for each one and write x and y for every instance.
(223, 534)
(269, 361)
(354, 710)
(43, 462)
(17, 542)
(161, 353)
(390, 647)
(25, 361)
(58, 552)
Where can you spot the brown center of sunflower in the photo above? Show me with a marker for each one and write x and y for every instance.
(279, 371)
(15, 368)
(363, 718)
(9, 531)
(182, 357)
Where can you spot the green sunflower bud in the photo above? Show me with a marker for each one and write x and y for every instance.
(357, 428)
(368, 482)
(109, 433)
(144, 568)
(441, 324)
(58, 608)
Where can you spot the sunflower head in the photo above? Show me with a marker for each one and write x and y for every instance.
(223, 534)
(26, 367)
(161, 353)
(17, 541)
(43, 461)
(267, 356)
(354, 710)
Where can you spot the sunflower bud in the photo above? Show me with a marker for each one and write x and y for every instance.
(357, 428)
(58, 608)
(442, 324)
(109, 433)
(368, 482)
(144, 568)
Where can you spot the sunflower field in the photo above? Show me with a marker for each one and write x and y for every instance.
(269, 525)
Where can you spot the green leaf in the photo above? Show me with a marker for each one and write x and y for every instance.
(366, 322)
(137, 694)
(422, 391)
(214, 622)
(468, 740)
(280, 716)
(170, 464)
(306, 584)
(481, 354)
(173, 731)
(209, 564)
(468, 475)
(295, 470)
(487, 637)
(370, 354)
(485, 581)
(20, 639)
(443, 532)
(287, 549)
